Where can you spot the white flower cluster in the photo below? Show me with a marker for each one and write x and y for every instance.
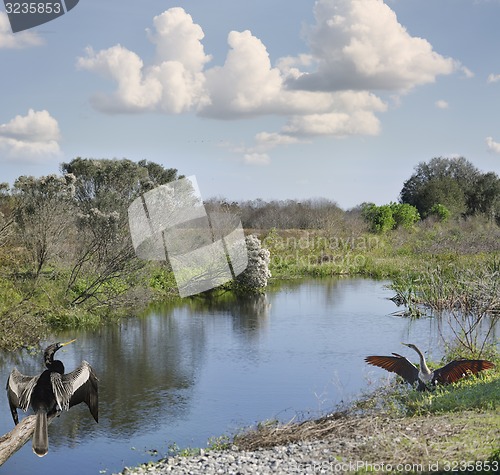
(257, 272)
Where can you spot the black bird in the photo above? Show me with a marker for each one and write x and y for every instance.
(449, 373)
(50, 392)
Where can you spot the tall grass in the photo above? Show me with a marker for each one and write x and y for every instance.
(466, 300)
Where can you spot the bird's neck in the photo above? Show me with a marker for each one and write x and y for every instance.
(55, 366)
(424, 369)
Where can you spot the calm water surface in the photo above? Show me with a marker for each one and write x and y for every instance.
(198, 369)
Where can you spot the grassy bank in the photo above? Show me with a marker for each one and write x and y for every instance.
(299, 253)
(452, 429)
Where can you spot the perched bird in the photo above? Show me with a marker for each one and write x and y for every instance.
(449, 373)
(51, 391)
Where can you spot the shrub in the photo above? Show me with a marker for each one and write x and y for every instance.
(257, 273)
(441, 212)
(404, 215)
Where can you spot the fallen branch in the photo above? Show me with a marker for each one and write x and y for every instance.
(11, 442)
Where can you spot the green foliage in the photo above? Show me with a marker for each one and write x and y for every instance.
(222, 442)
(110, 185)
(386, 217)
(485, 196)
(475, 392)
(19, 323)
(72, 318)
(162, 280)
(382, 219)
(404, 215)
(454, 183)
(440, 211)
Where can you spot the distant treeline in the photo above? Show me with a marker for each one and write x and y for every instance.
(283, 214)
(440, 189)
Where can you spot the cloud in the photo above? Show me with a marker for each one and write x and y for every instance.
(173, 84)
(442, 104)
(359, 44)
(492, 145)
(257, 158)
(356, 50)
(23, 39)
(30, 137)
(493, 78)
(246, 84)
(270, 140)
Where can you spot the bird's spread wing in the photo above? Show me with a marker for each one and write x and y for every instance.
(78, 386)
(19, 389)
(395, 364)
(457, 369)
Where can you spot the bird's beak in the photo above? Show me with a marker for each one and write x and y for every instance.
(68, 342)
(405, 344)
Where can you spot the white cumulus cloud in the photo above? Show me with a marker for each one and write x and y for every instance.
(30, 137)
(442, 104)
(356, 49)
(23, 39)
(493, 78)
(173, 84)
(492, 145)
(359, 44)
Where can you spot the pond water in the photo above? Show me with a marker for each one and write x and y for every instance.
(186, 372)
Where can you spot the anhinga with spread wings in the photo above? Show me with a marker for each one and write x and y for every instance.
(51, 391)
(449, 373)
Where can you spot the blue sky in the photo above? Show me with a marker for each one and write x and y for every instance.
(269, 99)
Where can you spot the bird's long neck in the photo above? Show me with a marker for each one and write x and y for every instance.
(54, 365)
(423, 365)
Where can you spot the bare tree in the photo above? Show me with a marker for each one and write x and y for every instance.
(44, 210)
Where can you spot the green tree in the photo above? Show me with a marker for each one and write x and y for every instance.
(448, 181)
(6, 214)
(485, 197)
(380, 218)
(111, 185)
(103, 260)
(440, 211)
(404, 215)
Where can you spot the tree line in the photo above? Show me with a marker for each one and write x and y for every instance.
(440, 189)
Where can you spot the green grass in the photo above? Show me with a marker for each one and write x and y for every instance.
(319, 253)
(481, 392)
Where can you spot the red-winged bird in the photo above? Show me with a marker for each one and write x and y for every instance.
(51, 391)
(449, 373)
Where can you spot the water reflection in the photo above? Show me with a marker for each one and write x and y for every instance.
(205, 367)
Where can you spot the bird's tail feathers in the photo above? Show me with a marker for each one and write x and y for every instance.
(41, 436)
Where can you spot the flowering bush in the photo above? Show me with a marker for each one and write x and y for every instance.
(257, 273)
